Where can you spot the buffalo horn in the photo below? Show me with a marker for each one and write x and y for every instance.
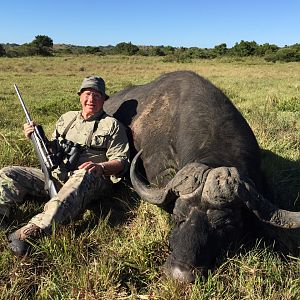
(266, 211)
(153, 195)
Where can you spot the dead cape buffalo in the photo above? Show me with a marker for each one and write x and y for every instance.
(202, 160)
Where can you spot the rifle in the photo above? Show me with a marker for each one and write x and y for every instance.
(46, 159)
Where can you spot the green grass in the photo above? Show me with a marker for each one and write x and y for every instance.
(118, 254)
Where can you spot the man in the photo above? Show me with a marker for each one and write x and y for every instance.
(103, 159)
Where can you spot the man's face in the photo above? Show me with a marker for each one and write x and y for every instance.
(91, 101)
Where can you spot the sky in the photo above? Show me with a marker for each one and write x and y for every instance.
(184, 23)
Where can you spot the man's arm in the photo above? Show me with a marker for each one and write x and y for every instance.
(111, 167)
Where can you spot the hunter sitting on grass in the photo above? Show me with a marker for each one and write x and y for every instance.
(103, 159)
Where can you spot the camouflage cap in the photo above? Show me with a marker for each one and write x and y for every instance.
(94, 82)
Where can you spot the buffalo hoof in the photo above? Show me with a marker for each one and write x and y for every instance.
(182, 272)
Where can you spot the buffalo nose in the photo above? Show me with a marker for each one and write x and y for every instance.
(182, 272)
(185, 276)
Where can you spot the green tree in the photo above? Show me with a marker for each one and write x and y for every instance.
(43, 45)
(244, 48)
(126, 48)
(221, 49)
(262, 49)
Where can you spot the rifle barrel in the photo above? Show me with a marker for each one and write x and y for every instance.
(28, 118)
(41, 150)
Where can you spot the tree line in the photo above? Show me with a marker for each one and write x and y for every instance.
(43, 45)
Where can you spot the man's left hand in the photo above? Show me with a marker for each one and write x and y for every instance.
(92, 167)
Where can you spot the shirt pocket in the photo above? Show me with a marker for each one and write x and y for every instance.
(100, 140)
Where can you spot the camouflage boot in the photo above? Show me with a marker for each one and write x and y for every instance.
(17, 240)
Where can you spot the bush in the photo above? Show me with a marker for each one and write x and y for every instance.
(43, 45)
(244, 48)
(126, 49)
(177, 57)
(156, 51)
(261, 50)
(221, 49)
(287, 54)
(2, 51)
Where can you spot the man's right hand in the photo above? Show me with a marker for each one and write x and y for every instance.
(28, 129)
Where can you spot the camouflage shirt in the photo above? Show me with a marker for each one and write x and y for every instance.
(103, 135)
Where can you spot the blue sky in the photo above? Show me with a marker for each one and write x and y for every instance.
(187, 23)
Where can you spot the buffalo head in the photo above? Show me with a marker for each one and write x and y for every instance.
(209, 205)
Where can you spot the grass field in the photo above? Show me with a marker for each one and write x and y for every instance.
(117, 254)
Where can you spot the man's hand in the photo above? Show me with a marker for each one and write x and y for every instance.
(28, 129)
(91, 167)
(107, 168)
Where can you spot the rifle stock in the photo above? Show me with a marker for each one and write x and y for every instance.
(41, 150)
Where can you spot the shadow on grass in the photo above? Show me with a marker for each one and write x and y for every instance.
(119, 207)
(283, 179)
(282, 182)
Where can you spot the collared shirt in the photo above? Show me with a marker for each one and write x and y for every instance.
(104, 136)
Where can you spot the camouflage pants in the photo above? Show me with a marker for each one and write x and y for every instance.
(79, 190)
